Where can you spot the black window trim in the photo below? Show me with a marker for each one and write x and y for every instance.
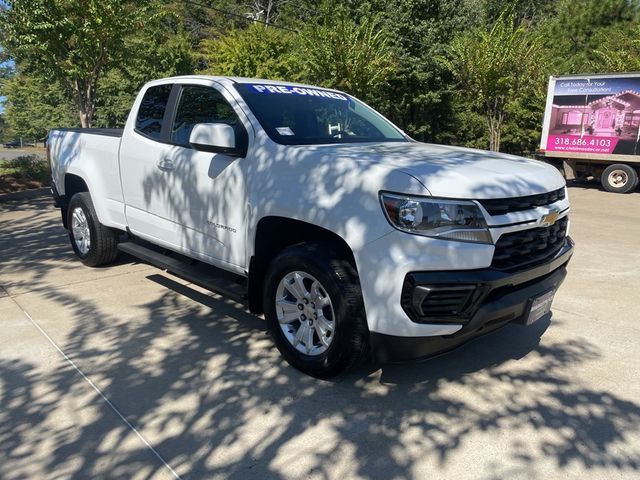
(172, 109)
(170, 113)
(164, 117)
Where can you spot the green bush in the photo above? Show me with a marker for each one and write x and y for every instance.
(25, 167)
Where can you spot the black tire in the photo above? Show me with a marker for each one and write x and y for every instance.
(339, 280)
(628, 178)
(103, 245)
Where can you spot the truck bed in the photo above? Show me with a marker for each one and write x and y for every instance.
(107, 132)
(91, 154)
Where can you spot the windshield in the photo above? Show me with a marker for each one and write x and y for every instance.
(308, 116)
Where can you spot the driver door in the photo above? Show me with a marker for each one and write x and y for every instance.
(207, 190)
(190, 201)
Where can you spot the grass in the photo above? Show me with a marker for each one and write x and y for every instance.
(25, 150)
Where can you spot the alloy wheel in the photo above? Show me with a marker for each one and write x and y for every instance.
(305, 313)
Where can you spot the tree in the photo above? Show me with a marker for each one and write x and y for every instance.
(255, 51)
(266, 11)
(417, 95)
(72, 41)
(160, 49)
(34, 105)
(523, 10)
(3, 128)
(618, 50)
(493, 67)
(357, 57)
(6, 65)
(573, 32)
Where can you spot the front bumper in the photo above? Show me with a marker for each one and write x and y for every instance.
(498, 298)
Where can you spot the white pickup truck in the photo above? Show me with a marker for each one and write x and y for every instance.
(312, 208)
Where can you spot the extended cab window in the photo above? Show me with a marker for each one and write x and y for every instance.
(200, 104)
(151, 111)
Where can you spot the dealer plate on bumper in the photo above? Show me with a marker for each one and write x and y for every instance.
(540, 306)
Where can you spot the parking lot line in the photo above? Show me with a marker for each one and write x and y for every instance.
(96, 389)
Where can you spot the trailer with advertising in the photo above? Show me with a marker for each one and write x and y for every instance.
(592, 124)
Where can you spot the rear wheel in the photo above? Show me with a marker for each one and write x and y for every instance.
(93, 243)
(314, 310)
(619, 178)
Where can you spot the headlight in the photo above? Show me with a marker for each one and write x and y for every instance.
(432, 217)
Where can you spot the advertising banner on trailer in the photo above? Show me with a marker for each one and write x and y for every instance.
(592, 116)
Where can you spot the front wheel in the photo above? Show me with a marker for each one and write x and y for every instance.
(314, 310)
(619, 178)
(93, 243)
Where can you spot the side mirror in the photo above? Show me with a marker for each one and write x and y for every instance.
(215, 138)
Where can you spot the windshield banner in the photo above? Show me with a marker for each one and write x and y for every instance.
(304, 91)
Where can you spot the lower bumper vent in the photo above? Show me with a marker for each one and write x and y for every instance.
(441, 301)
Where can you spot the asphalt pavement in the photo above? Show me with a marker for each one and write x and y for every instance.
(129, 372)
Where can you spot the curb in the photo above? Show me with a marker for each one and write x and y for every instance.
(25, 194)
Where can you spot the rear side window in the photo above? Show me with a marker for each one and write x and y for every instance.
(200, 104)
(151, 112)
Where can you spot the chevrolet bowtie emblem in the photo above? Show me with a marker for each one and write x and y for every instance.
(550, 218)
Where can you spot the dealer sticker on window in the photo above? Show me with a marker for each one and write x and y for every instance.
(540, 306)
(284, 131)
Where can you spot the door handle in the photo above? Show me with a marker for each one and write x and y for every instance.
(166, 165)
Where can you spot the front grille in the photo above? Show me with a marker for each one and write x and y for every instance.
(526, 247)
(501, 206)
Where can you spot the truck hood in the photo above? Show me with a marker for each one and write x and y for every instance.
(457, 172)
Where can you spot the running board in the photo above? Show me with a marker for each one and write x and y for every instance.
(206, 276)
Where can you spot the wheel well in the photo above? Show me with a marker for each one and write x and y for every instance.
(72, 185)
(274, 234)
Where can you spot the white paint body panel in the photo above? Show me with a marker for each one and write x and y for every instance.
(94, 158)
(208, 205)
(216, 134)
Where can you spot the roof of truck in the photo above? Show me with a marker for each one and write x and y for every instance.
(227, 80)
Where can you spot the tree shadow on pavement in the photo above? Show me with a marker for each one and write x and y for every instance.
(199, 377)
